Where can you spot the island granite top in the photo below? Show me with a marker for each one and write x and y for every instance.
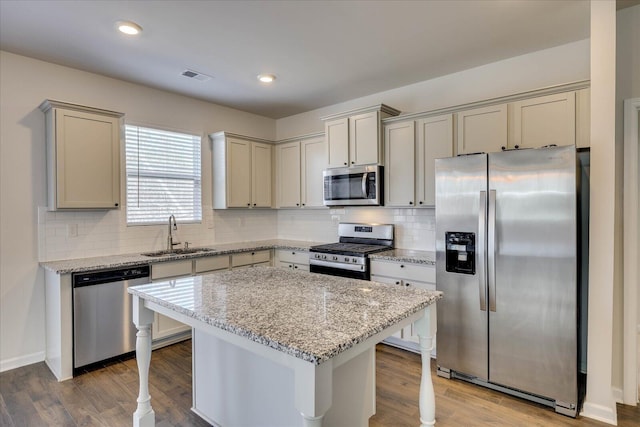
(310, 316)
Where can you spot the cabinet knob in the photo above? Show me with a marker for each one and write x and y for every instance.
(254, 204)
(293, 253)
(401, 265)
(295, 266)
(303, 204)
(517, 146)
(410, 202)
(397, 282)
(420, 201)
(248, 204)
(407, 284)
(297, 204)
(503, 148)
(117, 204)
(353, 163)
(345, 163)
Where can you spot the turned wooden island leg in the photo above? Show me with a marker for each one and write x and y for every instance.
(313, 391)
(143, 318)
(426, 327)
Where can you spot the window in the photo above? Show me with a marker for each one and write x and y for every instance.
(163, 176)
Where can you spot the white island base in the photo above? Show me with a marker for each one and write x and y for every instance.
(233, 387)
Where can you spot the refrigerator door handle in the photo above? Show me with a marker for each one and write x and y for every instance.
(491, 249)
(481, 260)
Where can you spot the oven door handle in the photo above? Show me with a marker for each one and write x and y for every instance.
(350, 267)
(364, 185)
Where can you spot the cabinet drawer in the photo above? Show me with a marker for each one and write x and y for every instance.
(247, 258)
(406, 271)
(290, 256)
(220, 262)
(171, 269)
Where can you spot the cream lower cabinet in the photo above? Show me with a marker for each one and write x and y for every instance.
(242, 171)
(299, 166)
(165, 330)
(407, 275)
(83, 156)
(251, 259)
(291, 259)
(411, 148)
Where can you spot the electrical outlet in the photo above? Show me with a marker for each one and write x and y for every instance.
(72, 230)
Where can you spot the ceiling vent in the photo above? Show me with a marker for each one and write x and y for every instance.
(196, 75)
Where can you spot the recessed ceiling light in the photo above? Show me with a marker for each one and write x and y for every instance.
(266, 78)
(129, 28)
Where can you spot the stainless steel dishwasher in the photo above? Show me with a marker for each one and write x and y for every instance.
(102, 319)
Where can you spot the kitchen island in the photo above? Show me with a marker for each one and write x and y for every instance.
(311, 336)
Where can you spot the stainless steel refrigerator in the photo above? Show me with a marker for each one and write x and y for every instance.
(506, 260)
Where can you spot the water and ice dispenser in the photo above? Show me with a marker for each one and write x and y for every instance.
(460, 252)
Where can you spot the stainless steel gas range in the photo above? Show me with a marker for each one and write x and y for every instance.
(350, 256)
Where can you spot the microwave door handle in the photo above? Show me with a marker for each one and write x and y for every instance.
(364, 185)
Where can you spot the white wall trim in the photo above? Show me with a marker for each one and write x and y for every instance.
(18, 362)
(631, 208)
(600, 413)
(617, 394)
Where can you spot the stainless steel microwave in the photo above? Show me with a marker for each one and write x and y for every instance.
(353, 186)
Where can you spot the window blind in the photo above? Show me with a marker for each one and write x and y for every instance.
(163, 176)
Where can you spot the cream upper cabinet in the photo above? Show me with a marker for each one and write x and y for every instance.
(337, 134)
(83, 156)
(242, 171)
(364, 139)
(288, 175)
(299, 166)
(541, 121)
(261, 175)
(411, 148)
(355, 138)
(434, 141)
(399, 171)
(583, 118)
(313, 159)
(482, 129)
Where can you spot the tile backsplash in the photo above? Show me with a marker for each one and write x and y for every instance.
(66, 235)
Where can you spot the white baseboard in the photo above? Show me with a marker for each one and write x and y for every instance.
(18, 362)
(600, 412)
(618, 394)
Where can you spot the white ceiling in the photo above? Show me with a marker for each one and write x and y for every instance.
(323, 52)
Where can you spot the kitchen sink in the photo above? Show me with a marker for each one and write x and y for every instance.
(167, 252)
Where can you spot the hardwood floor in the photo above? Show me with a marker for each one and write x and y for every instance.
(30, 396)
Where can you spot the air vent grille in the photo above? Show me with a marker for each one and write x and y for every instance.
(196, 75)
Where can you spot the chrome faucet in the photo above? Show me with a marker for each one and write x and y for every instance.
(170, 242)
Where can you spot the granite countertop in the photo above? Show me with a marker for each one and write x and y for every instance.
(406, 255)
(116, 261)
(310, 316)
(125, 260)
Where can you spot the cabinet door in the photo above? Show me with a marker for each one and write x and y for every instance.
(364, 139)
(337, 134)
(288, 174)
(435, 140)
(238, 173)
(583, 118)
(261, 176)
(544, 120)
(87, 160)
(482, 129)
(399, 171)
(314, 161)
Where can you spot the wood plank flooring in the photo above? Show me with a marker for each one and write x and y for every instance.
(30, 396)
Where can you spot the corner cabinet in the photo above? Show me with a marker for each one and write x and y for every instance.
(355, 137)
(242, 171)
(299, 166)
(83, 156)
